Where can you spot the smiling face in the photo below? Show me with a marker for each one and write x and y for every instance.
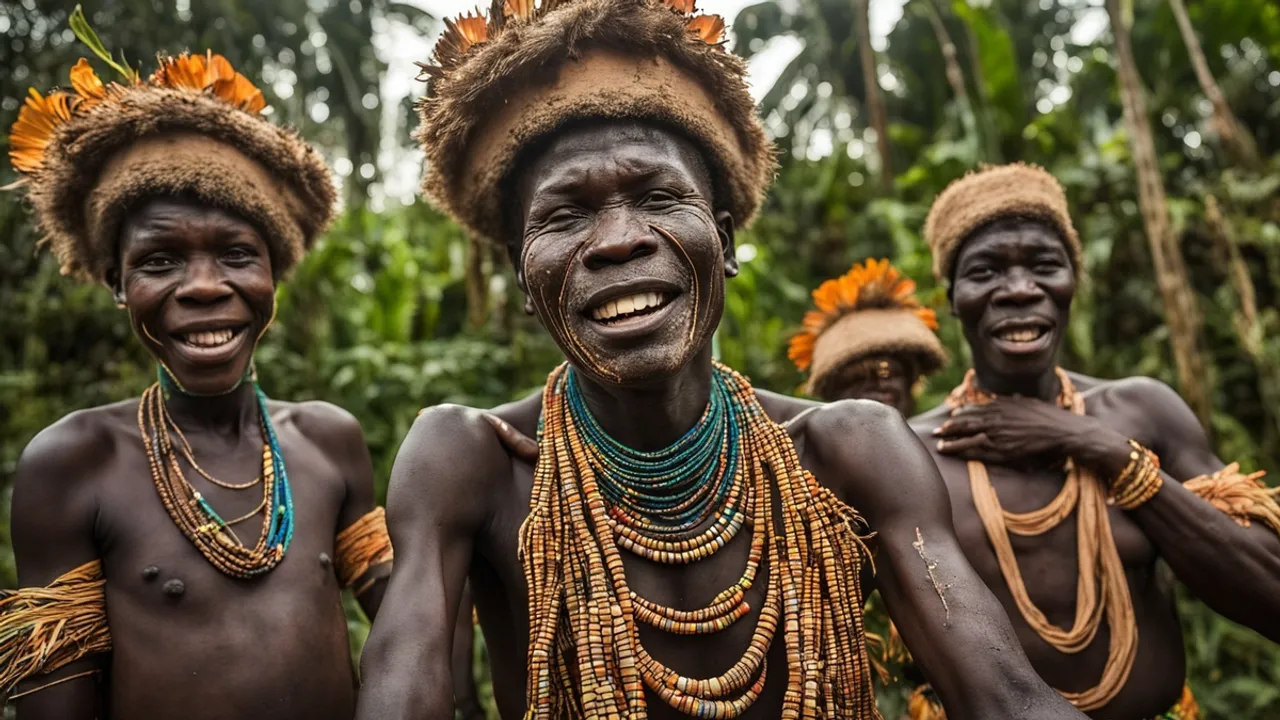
(198, 286)
(1012, 292)
(884, 378)
(622, 257)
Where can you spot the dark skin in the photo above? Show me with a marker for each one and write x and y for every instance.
(591, 202)
(1016, 277)
(884, 378)
(189, 641)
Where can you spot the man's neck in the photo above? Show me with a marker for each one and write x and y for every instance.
(229, 414)
(1044, 386)
(652, 416)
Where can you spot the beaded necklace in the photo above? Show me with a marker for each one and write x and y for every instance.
(593, 496)
(212, 535)
(1101, 586)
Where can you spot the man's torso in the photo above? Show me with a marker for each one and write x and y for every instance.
(191, 642)
(499, 589)
(1048, 564)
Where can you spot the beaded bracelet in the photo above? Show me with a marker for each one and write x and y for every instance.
(1139, 481)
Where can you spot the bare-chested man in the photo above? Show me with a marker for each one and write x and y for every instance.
(868, 338)
(1003, 240)
(622, 141)
(225, 525)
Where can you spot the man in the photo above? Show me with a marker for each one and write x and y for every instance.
(609, 579)
(202, 534)
(868, 338)
(1066, 490)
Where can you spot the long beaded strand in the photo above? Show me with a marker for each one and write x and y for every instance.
(585, 658)
(190, 510)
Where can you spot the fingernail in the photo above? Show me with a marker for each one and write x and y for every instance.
(941, 443)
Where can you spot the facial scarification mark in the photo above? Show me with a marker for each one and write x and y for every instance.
(932, 566)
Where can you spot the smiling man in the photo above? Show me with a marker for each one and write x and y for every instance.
(1082, 483)
(183, 554)
(684, 545)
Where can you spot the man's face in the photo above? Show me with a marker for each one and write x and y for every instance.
(623, 258)
(884, 378)
(1012, 293)
(198, 286)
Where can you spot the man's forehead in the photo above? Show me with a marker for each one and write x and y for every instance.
(1017, 233)
(631, 148)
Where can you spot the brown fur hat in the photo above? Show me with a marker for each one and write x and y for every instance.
(870, 310)
(142, 141)
(517, 79)
(992, 193)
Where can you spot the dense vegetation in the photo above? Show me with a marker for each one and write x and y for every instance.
(398, 310)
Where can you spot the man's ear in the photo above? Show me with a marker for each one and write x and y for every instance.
(117, 286)
(725, 228)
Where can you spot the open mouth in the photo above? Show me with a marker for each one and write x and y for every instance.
(209, 339)
(211, 346)
(630, 307)
(1022, 336)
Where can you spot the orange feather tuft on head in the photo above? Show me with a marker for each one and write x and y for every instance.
(874, 284)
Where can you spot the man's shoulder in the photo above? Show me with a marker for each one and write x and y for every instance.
(854, 438)
(1142, 405)
(69, 456)
(326, 425)
(454, 445)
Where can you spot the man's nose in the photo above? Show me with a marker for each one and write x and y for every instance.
(203, 282)
(620, 237)
(1019, 288)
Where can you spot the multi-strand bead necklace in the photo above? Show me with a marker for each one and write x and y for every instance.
(594, 497)
(1102, 590)
(212, 535)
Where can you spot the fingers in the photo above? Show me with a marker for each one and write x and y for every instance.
(521, 445)
(965, 445)
(958, 427)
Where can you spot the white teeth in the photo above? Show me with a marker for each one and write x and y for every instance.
(1021, 334)
(627, 305)
(210, 338)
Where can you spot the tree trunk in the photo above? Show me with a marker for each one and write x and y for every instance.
(1235, 137)
(1248, 327)
(1180, 309)
(955, 76)
(875, 101)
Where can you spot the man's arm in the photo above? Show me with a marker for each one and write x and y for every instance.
(1234, 569)
(437, 503)
(955, 628)
(339, 435)
(53, 515)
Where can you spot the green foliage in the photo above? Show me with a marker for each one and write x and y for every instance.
(375, 319)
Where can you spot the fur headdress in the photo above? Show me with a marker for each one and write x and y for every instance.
(194, 128)
(870, 310)
(989, 194)
(502, 82)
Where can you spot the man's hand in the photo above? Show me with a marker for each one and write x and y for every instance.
(1012, 429)
(520, 445)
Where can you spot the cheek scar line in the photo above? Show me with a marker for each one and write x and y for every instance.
(932, 566)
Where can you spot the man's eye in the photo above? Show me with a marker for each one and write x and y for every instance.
(1047, 267)
(238, 255)
(981, 272)
(157, 262)
(658, 197)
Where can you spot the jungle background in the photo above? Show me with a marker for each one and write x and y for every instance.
(1161, 118)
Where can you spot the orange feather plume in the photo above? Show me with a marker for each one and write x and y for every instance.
(41, 116)
(874, 284)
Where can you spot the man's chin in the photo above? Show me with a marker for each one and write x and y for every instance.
(205, 381)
